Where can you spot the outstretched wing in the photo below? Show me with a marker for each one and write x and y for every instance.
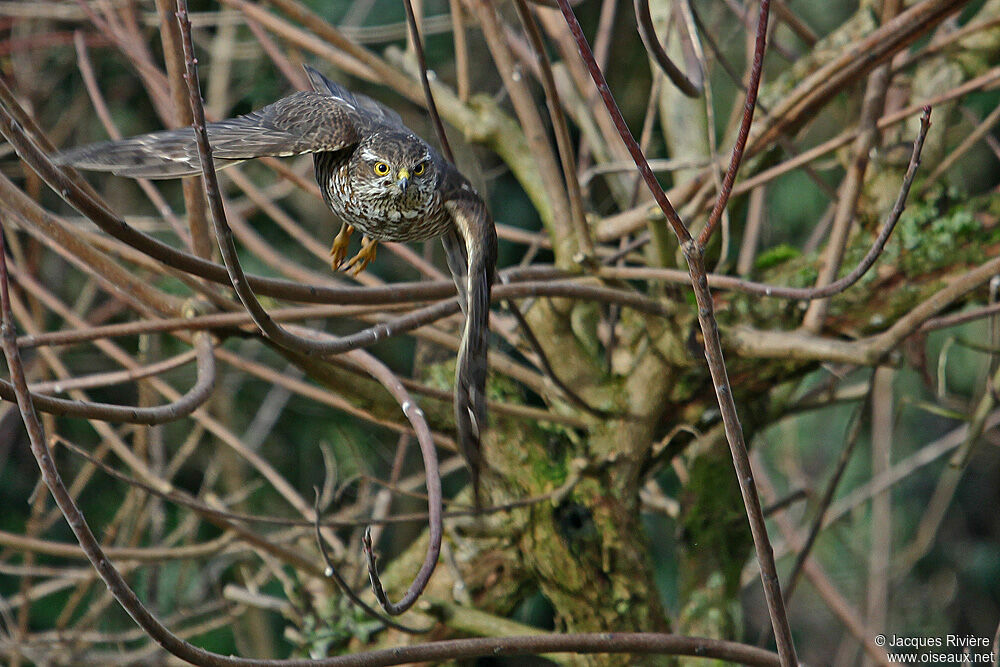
(306, 122)
(368, 109)
(471, 249)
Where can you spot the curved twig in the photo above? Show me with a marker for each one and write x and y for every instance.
(161, 414)
(415, 415)
(644, 23)
(332, 572)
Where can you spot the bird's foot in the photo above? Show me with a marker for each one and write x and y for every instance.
(338, 253)
(364, 257)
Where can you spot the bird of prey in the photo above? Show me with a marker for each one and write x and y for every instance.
(377, 176)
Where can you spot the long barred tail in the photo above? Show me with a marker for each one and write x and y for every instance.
(472, 254)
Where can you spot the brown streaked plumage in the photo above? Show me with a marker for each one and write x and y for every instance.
(377, 176)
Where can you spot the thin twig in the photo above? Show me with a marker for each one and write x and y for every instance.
(956, 319)
(644, 23)
(849, 193)
(173, 57)
(432, 110)
(112, 377)
(749, 104)
(879, 574)
(584, 239)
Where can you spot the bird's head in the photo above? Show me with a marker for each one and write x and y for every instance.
(398, 168)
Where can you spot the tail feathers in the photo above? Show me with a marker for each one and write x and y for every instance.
(472, 251)
(470, 403)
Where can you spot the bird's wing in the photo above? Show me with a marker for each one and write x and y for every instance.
(471, 250)
(368, 109)
(305, 122)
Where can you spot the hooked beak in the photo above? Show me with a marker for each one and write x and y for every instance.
(403, 179)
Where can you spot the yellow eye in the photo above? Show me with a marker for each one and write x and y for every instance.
(420, 169)
(381, 168)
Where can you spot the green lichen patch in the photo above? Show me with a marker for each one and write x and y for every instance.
(932, 235)
(777, 255)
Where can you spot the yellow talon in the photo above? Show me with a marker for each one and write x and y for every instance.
(339, 250)
(364, 257)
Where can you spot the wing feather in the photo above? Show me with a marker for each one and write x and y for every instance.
(305, 122)
(369, 109)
